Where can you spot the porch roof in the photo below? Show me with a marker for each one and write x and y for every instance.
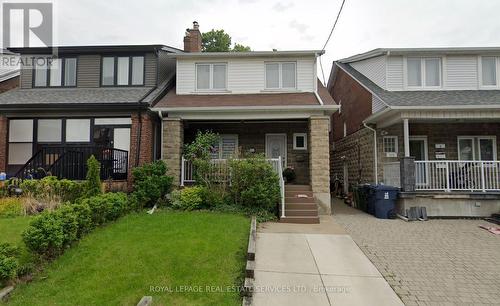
(425, 98)
(172, 99)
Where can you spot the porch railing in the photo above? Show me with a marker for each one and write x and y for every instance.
(70, 162)
(452, 175)
(220, 171)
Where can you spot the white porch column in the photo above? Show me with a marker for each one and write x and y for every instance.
(406, 137)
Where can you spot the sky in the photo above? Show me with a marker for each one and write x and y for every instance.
(284, 25)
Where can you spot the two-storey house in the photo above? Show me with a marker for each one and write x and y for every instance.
(426, 120)
(268, 102)
(86, 100)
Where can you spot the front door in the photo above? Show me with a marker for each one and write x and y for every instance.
(418, 149)
(276, 147)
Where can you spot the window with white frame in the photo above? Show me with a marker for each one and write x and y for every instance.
(390, 146)
(423, 72)
(281, 75)
(300, 141)
(211, 76)
(226, 147)
(488, 71)
(477, 148)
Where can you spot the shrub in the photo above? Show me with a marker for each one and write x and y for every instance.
(8, 262)
(69, 223)
(254, 183)
(84, 218)
(106, 207)
(11, 207)
(151, 184)
(45, 235)
(93, 185)
(190, 198)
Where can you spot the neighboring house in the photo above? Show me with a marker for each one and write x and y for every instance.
(259, 102)
(92, 100)
(9, 71)
(433, 117)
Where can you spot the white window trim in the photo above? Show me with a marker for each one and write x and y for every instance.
(475, 145)
(422, 72)
(480, 72)
(280, 77)
(396, 148)
(295, 135)
(211, 77)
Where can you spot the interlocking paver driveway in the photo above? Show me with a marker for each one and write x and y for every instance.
(437, 262)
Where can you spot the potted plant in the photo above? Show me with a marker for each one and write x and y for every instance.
(289, 175)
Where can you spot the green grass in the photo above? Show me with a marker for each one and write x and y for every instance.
(119, 263)
(11, 229)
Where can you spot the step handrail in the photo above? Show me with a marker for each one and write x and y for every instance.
(282, 187)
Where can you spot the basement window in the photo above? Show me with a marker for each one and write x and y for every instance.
(300, 141)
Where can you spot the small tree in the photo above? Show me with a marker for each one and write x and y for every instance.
(220, 41)
(93, 185)
(151, 183)
(199, 153)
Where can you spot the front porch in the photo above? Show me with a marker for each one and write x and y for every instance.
(300, 144)
(449, 166)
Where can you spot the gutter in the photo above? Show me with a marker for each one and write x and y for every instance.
(375, 164)
(226, 109)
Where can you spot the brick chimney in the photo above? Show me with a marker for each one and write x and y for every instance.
(192, 40)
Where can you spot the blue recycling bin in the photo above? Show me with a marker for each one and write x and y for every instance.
(384, 200)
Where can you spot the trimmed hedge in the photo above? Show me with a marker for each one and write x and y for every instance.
(8, 262)
(52, 232)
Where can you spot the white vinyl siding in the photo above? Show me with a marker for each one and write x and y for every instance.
(461, 72)
(246, 75)
(395, 73)
(374, 69)
(377, 104)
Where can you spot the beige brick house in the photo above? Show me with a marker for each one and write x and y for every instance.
(267, 102)
(438, 109)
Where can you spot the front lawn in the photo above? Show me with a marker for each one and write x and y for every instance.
(11, 229)
(173, 253)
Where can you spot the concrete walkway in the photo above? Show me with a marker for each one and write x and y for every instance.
(315, 265)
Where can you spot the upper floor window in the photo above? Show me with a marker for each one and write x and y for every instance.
(489, 71)
(281, 75)
(56, 72)
(122, 71)
(423, 72)
(211, 76)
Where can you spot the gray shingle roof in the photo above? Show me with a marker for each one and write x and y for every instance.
(73, 96)
(427, 98)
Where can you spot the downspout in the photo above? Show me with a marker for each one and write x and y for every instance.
(375, 166)
(318, 97)
(139, 135)
(161, 133)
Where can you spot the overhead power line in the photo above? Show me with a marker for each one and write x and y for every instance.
(328, 39)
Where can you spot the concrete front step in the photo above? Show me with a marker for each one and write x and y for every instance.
(298, 200)
(297, 188)
(300, 212)
(294, 193)
(307, 206)
(300, 220)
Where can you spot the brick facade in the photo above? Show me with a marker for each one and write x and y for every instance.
(3, 143)
(141, 140)
(172, 142)
(9, 84)
(319, 160)
(355, 102)
(252, 135)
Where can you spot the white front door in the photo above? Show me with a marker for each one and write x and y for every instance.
(276, 146)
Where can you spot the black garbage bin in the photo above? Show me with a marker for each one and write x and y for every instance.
(363, 197)
(370, 199)
(385, 200)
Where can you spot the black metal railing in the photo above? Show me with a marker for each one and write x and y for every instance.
(70, 162)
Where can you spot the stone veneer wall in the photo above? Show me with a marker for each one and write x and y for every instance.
(357, 151)
(319, 160)
(172, 142)
(3, 143)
